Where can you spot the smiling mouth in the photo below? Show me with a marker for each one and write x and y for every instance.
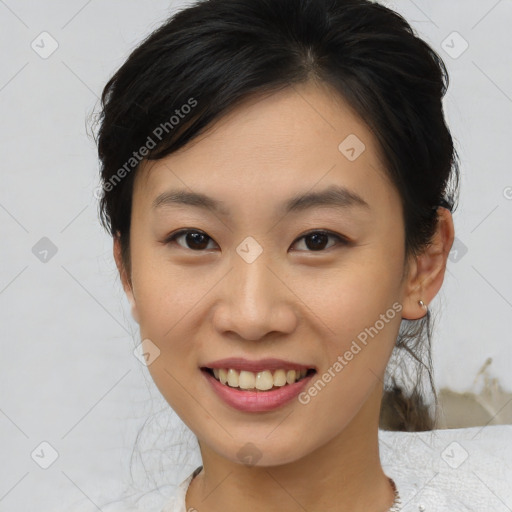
(266, 380)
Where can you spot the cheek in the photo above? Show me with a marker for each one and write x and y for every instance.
(358, 290)
(166, 297)
(358, 301)
(164, 293)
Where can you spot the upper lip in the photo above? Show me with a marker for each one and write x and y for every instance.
(240, 363)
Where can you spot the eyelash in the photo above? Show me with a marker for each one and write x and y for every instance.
(341, 240)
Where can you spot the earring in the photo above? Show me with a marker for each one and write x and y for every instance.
(422, 304)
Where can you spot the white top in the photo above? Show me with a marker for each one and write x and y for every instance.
(449, 470)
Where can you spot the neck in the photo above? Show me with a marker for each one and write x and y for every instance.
(345, 474)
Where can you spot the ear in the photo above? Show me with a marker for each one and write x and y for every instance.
(125, 278)
(426, 271)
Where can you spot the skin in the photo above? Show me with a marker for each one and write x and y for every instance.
(292, 302)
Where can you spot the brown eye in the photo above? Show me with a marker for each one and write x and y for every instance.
(194, 240)
(317, 240)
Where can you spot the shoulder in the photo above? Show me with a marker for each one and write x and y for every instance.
(462, 469)
(87, 505)
(177, 502)
(162, 501)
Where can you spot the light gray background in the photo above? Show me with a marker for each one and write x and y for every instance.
(68, 375)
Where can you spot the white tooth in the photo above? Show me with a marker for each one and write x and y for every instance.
(290, 376)
(246, 380)
(264, 380)
(233, 378)
(279, 378)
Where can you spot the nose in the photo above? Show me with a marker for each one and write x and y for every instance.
(255, 300)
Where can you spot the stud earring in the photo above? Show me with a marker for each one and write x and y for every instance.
(422, 304)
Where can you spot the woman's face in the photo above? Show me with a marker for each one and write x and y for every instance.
(254, 285)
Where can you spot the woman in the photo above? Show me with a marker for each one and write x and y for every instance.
(278, 178)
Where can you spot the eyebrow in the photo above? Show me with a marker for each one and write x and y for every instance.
(333, 196)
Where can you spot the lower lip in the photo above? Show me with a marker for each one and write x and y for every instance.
(257, 401)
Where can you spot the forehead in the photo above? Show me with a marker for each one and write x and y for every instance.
(291, 139)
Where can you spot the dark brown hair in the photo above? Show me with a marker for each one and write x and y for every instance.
(203, 61)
